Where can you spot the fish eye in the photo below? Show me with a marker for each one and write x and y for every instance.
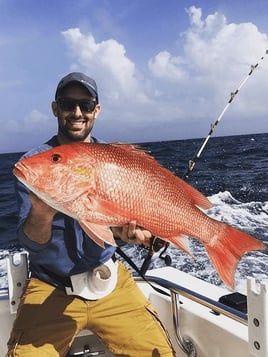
(55, 157)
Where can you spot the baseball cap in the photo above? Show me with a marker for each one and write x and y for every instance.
(78, 77)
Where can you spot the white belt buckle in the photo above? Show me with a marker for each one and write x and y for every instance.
(94, 284)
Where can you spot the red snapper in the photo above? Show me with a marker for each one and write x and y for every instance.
(104, 185)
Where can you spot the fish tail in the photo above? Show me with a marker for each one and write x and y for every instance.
(227, 249)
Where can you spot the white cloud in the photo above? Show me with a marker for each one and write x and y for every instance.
(109, 61)
(216, 57)
(36, 119)
(217, 43)
(163, 65)
(34, 122)
(195, 16)
(212, 44)
(27, 132)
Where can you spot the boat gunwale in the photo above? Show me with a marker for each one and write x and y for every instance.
(215, 306)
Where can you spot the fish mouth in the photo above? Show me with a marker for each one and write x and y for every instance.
(20, 171)
(17, 170)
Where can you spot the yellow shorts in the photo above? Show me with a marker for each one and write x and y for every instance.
(48, 321)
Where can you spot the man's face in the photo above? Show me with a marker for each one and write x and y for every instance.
(74, 123)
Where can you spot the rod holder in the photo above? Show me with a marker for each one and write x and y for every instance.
(17, 272)
(257, 317)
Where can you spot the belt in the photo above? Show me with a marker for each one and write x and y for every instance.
(63, 281)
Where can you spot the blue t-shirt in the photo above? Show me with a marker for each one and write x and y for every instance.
(69, 251)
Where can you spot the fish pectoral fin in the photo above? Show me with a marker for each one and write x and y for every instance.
(182, 242)
(98, 233)
(103, 208)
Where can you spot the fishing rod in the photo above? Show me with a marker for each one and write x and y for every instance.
(192, 162)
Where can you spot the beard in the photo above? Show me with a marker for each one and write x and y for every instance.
(75, 135)
(75, 130)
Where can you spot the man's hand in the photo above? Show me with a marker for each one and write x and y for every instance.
(132, 234)
(38, 224)
(40, 207)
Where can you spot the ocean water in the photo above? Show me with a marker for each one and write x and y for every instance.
(232, 172)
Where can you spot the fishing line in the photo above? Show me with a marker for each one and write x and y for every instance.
(192, 162)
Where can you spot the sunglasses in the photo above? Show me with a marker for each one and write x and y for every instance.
(70, 104)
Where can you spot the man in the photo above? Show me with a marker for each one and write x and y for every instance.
(75, 284)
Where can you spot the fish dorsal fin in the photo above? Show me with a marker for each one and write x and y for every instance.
(129, 147)
(136, 150)
(98, 233)
(198, 198)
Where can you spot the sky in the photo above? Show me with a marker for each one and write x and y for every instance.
(165, 69)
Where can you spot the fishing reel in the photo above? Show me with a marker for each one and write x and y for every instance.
(156, 244)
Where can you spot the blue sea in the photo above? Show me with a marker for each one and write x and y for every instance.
(232, 172)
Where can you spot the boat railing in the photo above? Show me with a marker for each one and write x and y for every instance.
(256, 317)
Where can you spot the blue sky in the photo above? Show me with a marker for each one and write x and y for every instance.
(165, 69)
